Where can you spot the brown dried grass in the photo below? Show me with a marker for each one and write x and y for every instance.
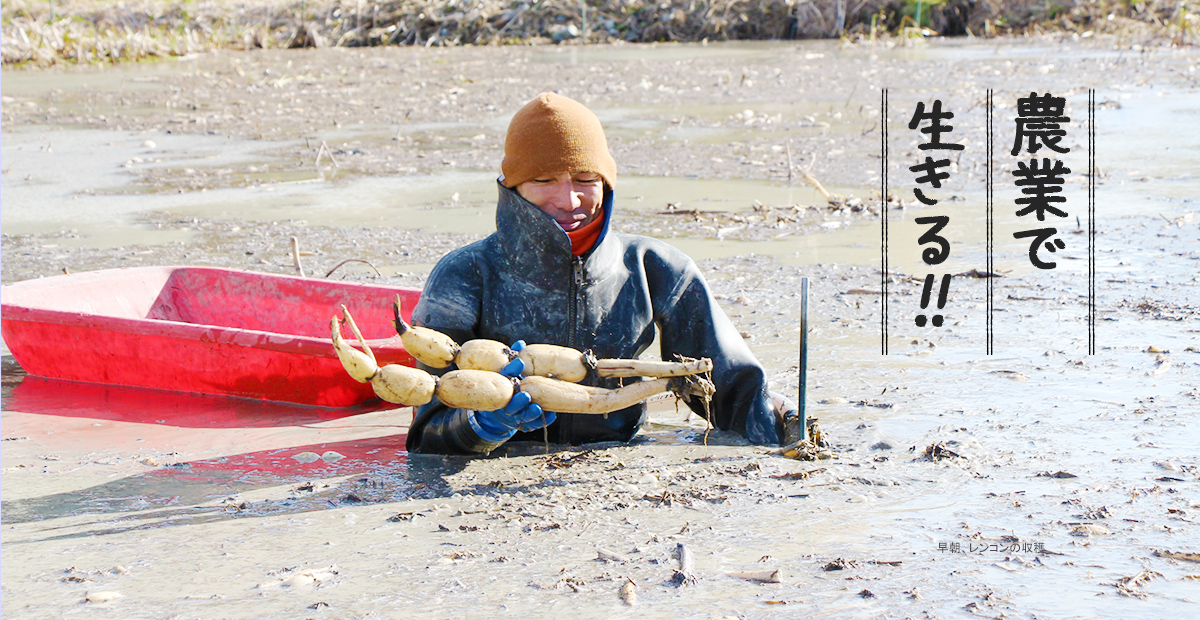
(106, 31)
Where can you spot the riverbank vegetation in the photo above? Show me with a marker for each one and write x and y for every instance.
(42, 32)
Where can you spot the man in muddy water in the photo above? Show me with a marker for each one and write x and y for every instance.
(554, 272)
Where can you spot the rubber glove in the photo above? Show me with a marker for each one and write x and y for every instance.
(521, 413)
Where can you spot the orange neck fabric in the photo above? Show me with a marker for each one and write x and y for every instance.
(583, 239)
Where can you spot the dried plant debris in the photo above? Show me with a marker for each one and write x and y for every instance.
(839, 564)
(1089, 529)
(604, 555)
(1057, 474)
(760, 575)
(50, 33)
(976, 273)
(1186, 556)
(628, 592)
(1093, 514)
(1164, 310)
(805, 450)
(686, 574)
(815, 434)
(573, 584)
(798, 475)
(939, 451)
(1132, 586)
(297, 577)
(686, 497)
(562, 460)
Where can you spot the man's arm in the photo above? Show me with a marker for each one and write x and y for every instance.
(692, 324)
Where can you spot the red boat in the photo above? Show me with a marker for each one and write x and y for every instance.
(200, 329)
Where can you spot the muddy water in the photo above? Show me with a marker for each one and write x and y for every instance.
(1060, 476)
(84, 179)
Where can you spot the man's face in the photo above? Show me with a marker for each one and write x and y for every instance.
(573, 199)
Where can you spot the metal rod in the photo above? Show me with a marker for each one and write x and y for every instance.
(802, 387)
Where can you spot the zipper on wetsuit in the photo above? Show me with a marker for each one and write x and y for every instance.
(574, 287)
(573, 313)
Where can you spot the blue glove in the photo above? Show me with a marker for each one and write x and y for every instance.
(521, 413)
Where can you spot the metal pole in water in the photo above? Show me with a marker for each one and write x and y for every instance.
(802, 387)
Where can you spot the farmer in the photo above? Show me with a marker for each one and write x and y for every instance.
(554, 272)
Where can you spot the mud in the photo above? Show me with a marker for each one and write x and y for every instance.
(1037, 481)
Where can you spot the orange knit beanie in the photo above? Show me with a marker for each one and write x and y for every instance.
(554, 134)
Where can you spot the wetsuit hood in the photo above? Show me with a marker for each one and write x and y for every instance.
(534, 243)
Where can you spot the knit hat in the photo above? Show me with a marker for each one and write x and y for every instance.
(554, 134)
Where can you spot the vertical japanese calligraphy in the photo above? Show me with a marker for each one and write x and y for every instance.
(1039, 124)
(932, 171)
